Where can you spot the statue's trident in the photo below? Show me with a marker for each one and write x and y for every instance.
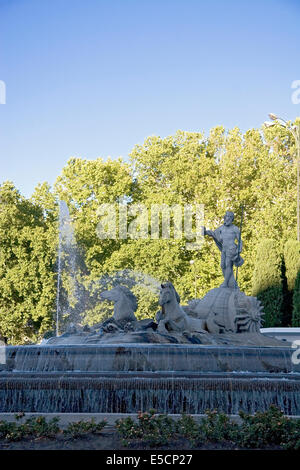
(239, 241)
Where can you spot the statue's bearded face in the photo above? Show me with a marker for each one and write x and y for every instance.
(228, 218)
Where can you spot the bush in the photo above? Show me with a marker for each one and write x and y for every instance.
(291, 437)
(38, 427)
(81, 428)
(218, 427)
(33, 427)
(259, 431)
(151, 428)
(264, 428)
(187, 427)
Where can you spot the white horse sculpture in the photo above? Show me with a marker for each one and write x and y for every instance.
(125, 303)
(173, 317)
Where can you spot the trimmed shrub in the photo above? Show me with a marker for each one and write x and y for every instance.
(296, 302)
(264, 428)
(151, 428)
(292, 261)
(267, 282)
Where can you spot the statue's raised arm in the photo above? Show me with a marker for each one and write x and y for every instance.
(215, 234)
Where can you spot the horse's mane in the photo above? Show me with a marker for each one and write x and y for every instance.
(130, 296)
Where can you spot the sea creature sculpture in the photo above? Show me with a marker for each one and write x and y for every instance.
(172, 317)
(125, 303)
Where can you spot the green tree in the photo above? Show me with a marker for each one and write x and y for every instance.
(27, 280)
(292, 261)
(179, 169)
(267, 282)
(292, 266)
(84, 185)
(296, 302)
(223, 172)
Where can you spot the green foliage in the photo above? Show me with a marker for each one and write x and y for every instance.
(222, 172)
(291, 435)
(292, 261)
(150, 428)
(32, 427)
(27, 263)
(272, 301)
(35, 427)
(147, 302)
(218, 427)
(264, 428)
(84, 185)
(292, 264)
(258, 431)
(187, 427)
(296, 302)
(267, 282)
(128, 430)
(267, 271)
(81, 428)
(159, 429)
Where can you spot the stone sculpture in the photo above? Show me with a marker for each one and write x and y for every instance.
(172, 317)
(225, 237)
(226, 310)
(125, 304)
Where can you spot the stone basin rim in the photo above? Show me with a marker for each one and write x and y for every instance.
(147, 346)
(235, 374)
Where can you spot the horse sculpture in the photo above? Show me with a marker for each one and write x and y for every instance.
(125, 303)
(172, 317)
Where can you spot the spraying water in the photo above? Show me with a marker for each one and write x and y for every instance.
(66, 260)
(139, 283)
(76, 298)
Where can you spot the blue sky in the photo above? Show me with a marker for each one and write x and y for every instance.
(92, 78)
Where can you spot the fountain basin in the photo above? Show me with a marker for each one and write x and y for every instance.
(148, 357)
(171, 378)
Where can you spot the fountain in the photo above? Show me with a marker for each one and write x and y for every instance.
(208, 354)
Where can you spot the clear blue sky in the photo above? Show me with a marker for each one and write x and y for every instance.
(92, 78)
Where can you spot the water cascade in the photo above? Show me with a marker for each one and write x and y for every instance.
(133, 377)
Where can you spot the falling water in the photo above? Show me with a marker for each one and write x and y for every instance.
(67, 253)
(128, 278)
(76, 299)
(134, 280)
(58, 271)
(133, 377)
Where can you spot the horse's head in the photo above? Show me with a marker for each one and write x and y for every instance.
(113, 294)
(168, 293)
(120, 294)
